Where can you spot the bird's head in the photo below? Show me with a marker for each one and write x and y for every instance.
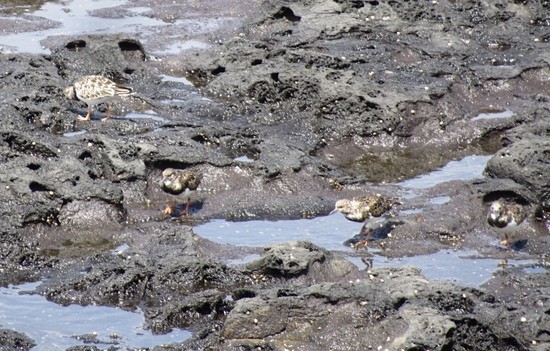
(495, 210)
(168, 177)
(341, 206)
(168, 173)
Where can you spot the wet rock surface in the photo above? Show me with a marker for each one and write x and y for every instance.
(12, 340)
(311, 102)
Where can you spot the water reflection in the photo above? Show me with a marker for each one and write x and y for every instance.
(17, 7)
(493, 115)
(73, 18)
(469, 167)
(456, 266)
(389, 166)
(329, 232)
(55, 327)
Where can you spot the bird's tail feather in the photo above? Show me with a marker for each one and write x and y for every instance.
(123, 90)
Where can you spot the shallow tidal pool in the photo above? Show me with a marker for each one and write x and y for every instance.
(54, 327)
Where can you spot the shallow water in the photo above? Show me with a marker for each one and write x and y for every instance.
(151, 115)
(31, 28)
(178, 47)
(439, 200)
(447, 265)
(75, 134)
(470, 167)
(173, 79)
(493, 115)
(54, 327)
(331, 231)
(75, 19)
(244, 159)
(535, 269)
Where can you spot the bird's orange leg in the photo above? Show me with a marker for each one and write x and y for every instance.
(88, 115)
(186, 211)
(169, 208)
(363, 228)
(365, 242)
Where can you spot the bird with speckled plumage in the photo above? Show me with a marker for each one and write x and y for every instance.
(176, 182)
(94, 90)
(362, 208)
(502, 214)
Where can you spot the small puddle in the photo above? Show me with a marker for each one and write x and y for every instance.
(470, 167)
(411, 211)
(181, 80)
(493, 115)
(54, 327)
(120, 250)
(244, 159)
(174, 102)
(535, 269)
(75, 134)
(154, 117)
(328, 232)
(243, 260)
(439, 200)
(178, 47)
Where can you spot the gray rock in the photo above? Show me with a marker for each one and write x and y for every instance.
(323, 98)
(288, 259)
(526, 162)
(11, 340)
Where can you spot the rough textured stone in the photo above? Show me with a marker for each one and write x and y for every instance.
(11, 340)
(313, 101)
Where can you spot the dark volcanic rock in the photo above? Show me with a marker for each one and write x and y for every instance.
(341, 69)
(168, 274)
(526, 162)
(309, 102)
(288, 259)
(387, 308)
(13, 341)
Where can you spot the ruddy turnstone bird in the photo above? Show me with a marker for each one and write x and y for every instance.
(360, 209)
(503, 214)
(177, 182)
(94, 90)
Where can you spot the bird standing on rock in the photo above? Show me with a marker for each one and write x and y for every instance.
(360, 209)
(505, 214)
(176, 182)
(94, 90)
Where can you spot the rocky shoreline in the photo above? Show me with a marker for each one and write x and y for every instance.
(310, 103)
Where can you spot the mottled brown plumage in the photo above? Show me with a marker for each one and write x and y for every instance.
(502, 214)
(176, 182)
(360, 209)
(94, 90)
